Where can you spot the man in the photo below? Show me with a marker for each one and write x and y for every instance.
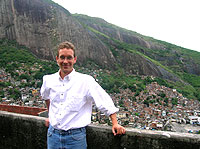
(69, 96)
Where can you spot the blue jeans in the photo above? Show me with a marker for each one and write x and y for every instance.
(70, 139)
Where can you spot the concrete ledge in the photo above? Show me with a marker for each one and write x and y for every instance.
(26, 131)
(102, 137)
(22, 131)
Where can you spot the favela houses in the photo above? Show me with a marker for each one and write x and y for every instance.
(155, 84)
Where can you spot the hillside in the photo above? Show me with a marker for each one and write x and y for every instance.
(21, 70)
(178, 64)
(40, 25)
(167, 54)
(173, 57)
(141, 99)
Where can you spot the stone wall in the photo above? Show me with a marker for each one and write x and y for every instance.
(20, 131)
(26, 131)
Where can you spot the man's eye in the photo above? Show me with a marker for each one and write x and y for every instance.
(69, 57)
(62, 57)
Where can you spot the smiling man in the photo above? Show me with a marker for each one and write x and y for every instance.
(69, 96)
(66, 59)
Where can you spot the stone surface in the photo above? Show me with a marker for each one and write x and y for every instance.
(26, 131)
(42, 24)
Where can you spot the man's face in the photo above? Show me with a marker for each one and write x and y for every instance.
(66, 60)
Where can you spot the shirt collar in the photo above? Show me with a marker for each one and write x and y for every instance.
(67, 77)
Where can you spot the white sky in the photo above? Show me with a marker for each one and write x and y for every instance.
(173, 21)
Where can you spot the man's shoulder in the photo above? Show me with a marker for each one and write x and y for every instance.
(84, 76)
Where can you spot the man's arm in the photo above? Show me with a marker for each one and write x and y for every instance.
(116, 128)
(47, 120)
(47, 103)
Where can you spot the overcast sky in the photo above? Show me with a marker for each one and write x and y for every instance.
(173, 21)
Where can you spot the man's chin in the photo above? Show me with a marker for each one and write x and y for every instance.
(66, 71)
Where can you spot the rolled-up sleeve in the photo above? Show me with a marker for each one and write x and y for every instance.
(101, 98)
(44, 91)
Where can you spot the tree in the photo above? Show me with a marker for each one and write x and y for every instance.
(174, 101)
(17, 93)
(146, 102)
(38, 75)
(166, 100)
(121, 103)
(162, 94)
(147, 80)
(2, 84)
(25, 76)
(39, 84)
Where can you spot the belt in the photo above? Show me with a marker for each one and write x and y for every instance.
(68, 132)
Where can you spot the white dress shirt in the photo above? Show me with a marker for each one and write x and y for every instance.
(71, 99)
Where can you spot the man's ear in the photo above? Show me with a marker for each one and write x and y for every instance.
(57, 60)
(75, 59)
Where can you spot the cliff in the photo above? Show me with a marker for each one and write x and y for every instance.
(41, 24)
(174, 57)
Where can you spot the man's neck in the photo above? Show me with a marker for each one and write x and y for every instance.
(63, 74)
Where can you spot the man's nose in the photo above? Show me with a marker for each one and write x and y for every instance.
(65, 60)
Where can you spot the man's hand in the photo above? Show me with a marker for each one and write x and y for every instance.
(118, 129)
(47, 122)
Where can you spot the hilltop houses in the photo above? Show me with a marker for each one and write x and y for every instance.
(157, 107)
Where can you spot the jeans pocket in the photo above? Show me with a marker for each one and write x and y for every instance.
(50, 131)
(79, 136)
(49, 134)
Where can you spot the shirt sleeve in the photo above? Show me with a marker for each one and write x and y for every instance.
(101, 98)
(44, 91)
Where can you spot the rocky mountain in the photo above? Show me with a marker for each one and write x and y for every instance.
(165, 53)
(117, 33)
(41, 24)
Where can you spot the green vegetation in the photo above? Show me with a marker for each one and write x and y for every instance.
(22, 69)
(16, 59)
(113, 82)
(194, 80)
(174, 101)
(189, 87)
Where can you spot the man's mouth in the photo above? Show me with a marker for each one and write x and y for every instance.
(65, 66)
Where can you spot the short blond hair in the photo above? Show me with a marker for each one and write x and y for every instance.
(67, 45)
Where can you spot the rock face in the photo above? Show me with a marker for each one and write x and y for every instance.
(166, 54)
(41, 24)
(117, 33)
(25, 22)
